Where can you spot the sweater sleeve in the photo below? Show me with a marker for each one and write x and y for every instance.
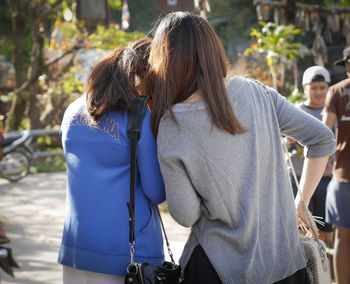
(182, 198)
(150, 175)
(300, 126)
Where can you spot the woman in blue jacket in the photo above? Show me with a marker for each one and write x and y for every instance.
(95, 245)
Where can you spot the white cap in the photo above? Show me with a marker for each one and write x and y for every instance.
(315, 70)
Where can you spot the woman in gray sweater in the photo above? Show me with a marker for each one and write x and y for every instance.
(221, 157)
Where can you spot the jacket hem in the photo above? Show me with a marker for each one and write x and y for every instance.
(99, 263)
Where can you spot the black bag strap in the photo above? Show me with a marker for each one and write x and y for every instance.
(135, 120)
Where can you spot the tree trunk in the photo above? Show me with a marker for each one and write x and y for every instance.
(36, 65)
(290, 11)
(17, 109)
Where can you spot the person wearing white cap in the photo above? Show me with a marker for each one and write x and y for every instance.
(316, 80)
(337, 108)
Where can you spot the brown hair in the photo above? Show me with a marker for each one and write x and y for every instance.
(187, 56)
(111, 83)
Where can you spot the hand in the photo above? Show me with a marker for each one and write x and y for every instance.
(303, 219)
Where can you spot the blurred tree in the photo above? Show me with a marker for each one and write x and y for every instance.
(322, 17)
(325, 26)
(64, 81)
(17, 44)
(42, 40)
(30, 19)
(275, 42)
(233, 20)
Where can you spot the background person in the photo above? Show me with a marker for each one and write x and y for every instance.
(95, 243)
(217, 147)
(315, 85)
(337, 108)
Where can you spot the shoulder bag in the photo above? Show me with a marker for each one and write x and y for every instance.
(144, 273)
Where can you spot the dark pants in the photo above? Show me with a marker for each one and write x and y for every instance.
(200, 271)
(298, 277)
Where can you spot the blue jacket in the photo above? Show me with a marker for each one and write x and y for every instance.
(96, 230)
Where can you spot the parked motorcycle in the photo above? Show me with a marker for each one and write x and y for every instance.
(17, 155)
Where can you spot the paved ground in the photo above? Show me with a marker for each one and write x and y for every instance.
(32, 213)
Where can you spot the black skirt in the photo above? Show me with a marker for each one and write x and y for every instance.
(199, 270)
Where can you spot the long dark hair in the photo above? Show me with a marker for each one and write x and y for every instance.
(187, 56)
(111, 83)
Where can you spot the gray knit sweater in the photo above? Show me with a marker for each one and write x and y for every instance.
(234, 190)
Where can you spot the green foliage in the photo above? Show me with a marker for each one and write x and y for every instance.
(48, 143)
(24, 123)
(71, 30)
(5, 29)
(58, 14)
(344, 3)
(115, 4)
(44, 140)
(6, 34)
(5, 47)
(59, 92)
(104, 37)
(296, 97)
(111, 38)
(49, 164)
(70, 84)
(275, 42)
(5, 98)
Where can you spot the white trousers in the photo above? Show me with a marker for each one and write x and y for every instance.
(75, 276)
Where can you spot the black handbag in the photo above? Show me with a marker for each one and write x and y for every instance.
(144, 273)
